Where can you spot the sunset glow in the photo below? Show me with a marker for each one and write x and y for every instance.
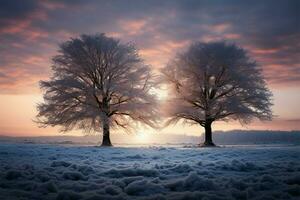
(30, 35)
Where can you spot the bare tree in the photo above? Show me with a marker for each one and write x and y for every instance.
(215, 81)
(98, 83)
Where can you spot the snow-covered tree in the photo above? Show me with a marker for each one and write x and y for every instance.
(98, 83)
(215, 81)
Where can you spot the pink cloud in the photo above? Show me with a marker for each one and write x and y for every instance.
(159, 54)
(220, 28)
(51, 5)
(232, 36)
(133, 27)
(217, 28)
(24, 26)
(265, 51)
(15, 26)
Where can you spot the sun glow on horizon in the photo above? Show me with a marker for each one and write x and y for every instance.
(141, 137)
(161, 92)
(17, 112)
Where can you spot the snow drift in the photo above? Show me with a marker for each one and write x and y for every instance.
(32, 171)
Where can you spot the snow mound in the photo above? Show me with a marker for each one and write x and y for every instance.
(116, 173)
(192, 182)
(68, 195)
(13, 174)
(75, 176)
(48, 187)
(144, 188)
(60, 164)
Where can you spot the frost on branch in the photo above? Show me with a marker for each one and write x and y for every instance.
(98, 83)
(216, 81)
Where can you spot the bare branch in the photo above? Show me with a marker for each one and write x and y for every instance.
(215, 81)
(97, 78)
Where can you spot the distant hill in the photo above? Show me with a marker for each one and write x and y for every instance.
(234, 137)
(257, 137)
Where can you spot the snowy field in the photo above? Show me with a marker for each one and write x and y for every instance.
(35, 171)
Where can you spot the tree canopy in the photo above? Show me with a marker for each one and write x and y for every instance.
(215, 81)
(98, 80)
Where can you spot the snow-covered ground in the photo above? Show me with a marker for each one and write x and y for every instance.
(33, 171)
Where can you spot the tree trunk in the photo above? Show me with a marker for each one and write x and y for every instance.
(208, 134)
(106, 134)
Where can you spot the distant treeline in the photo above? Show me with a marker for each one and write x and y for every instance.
(234, 137)
(256, 137)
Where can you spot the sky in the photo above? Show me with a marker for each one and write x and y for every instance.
(30, 31)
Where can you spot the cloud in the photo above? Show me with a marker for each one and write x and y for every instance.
(269, 30)
(13, 9)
